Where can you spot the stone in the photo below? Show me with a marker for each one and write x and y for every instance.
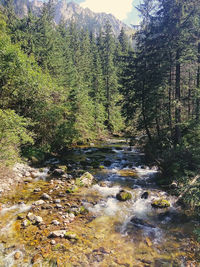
(58, 206)
(145, 195)
(71, 235)
(140, 223)
(35, 219)
(55, 222)
(20, 216)
(57, 201)
(28, 180)
(71, 215)
(30, 216)
(87, 179)
(58, 172)
(35, 174)
(26, 223)
(17, 255)
(53, 242)
(72, 190)
(123, 196)
(160, 204)
(35, 258)
(45, 196)
(38, 219)
(107, 163)
(38, 202)
(36, 190)
(59, 233)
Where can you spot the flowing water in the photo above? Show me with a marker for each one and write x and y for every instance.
(130, 233)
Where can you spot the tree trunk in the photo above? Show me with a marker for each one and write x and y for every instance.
(198, 84)
(177, 138)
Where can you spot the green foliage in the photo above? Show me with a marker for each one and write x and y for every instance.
(13, 134)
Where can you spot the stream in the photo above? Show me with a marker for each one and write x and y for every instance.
(112, 232)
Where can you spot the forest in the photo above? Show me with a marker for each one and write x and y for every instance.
(62, 86)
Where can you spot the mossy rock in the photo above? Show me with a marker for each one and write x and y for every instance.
(79, 182)
(71, 236)
(101, 167)
(71, 190)
(83, 210)
(87, 179)
(63, 167)
(160, 204)
(123, 196)
(128, 173)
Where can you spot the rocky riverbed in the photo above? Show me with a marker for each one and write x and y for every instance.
(96, 206)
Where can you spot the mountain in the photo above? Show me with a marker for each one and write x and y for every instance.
(68, 12)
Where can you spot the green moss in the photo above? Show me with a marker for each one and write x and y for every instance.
(101, 167)
(160, 203)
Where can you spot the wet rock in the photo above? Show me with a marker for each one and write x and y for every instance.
(72, 190)
(45, 196)
(59, 233)
(57, 201)
(107, 163)
(145, 195)
(123, 196)
(38, 202)
(36, 190)
(55, 222)
(58, 172)
(28, 180)
(58, 206)
(17, 255)
(20, 216)
(61, 194)
(160, 204)
(140, 223)
(66, 177)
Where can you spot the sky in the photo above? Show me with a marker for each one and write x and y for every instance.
(122, 9)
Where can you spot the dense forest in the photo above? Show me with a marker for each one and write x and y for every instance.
(61, 86)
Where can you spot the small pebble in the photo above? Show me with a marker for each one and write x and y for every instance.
(17, 255)
(53, 242)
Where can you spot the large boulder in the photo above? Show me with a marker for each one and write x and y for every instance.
(123, 195)
(160, 203)
(86, 179)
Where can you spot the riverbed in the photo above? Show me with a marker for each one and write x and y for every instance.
(99, 229)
